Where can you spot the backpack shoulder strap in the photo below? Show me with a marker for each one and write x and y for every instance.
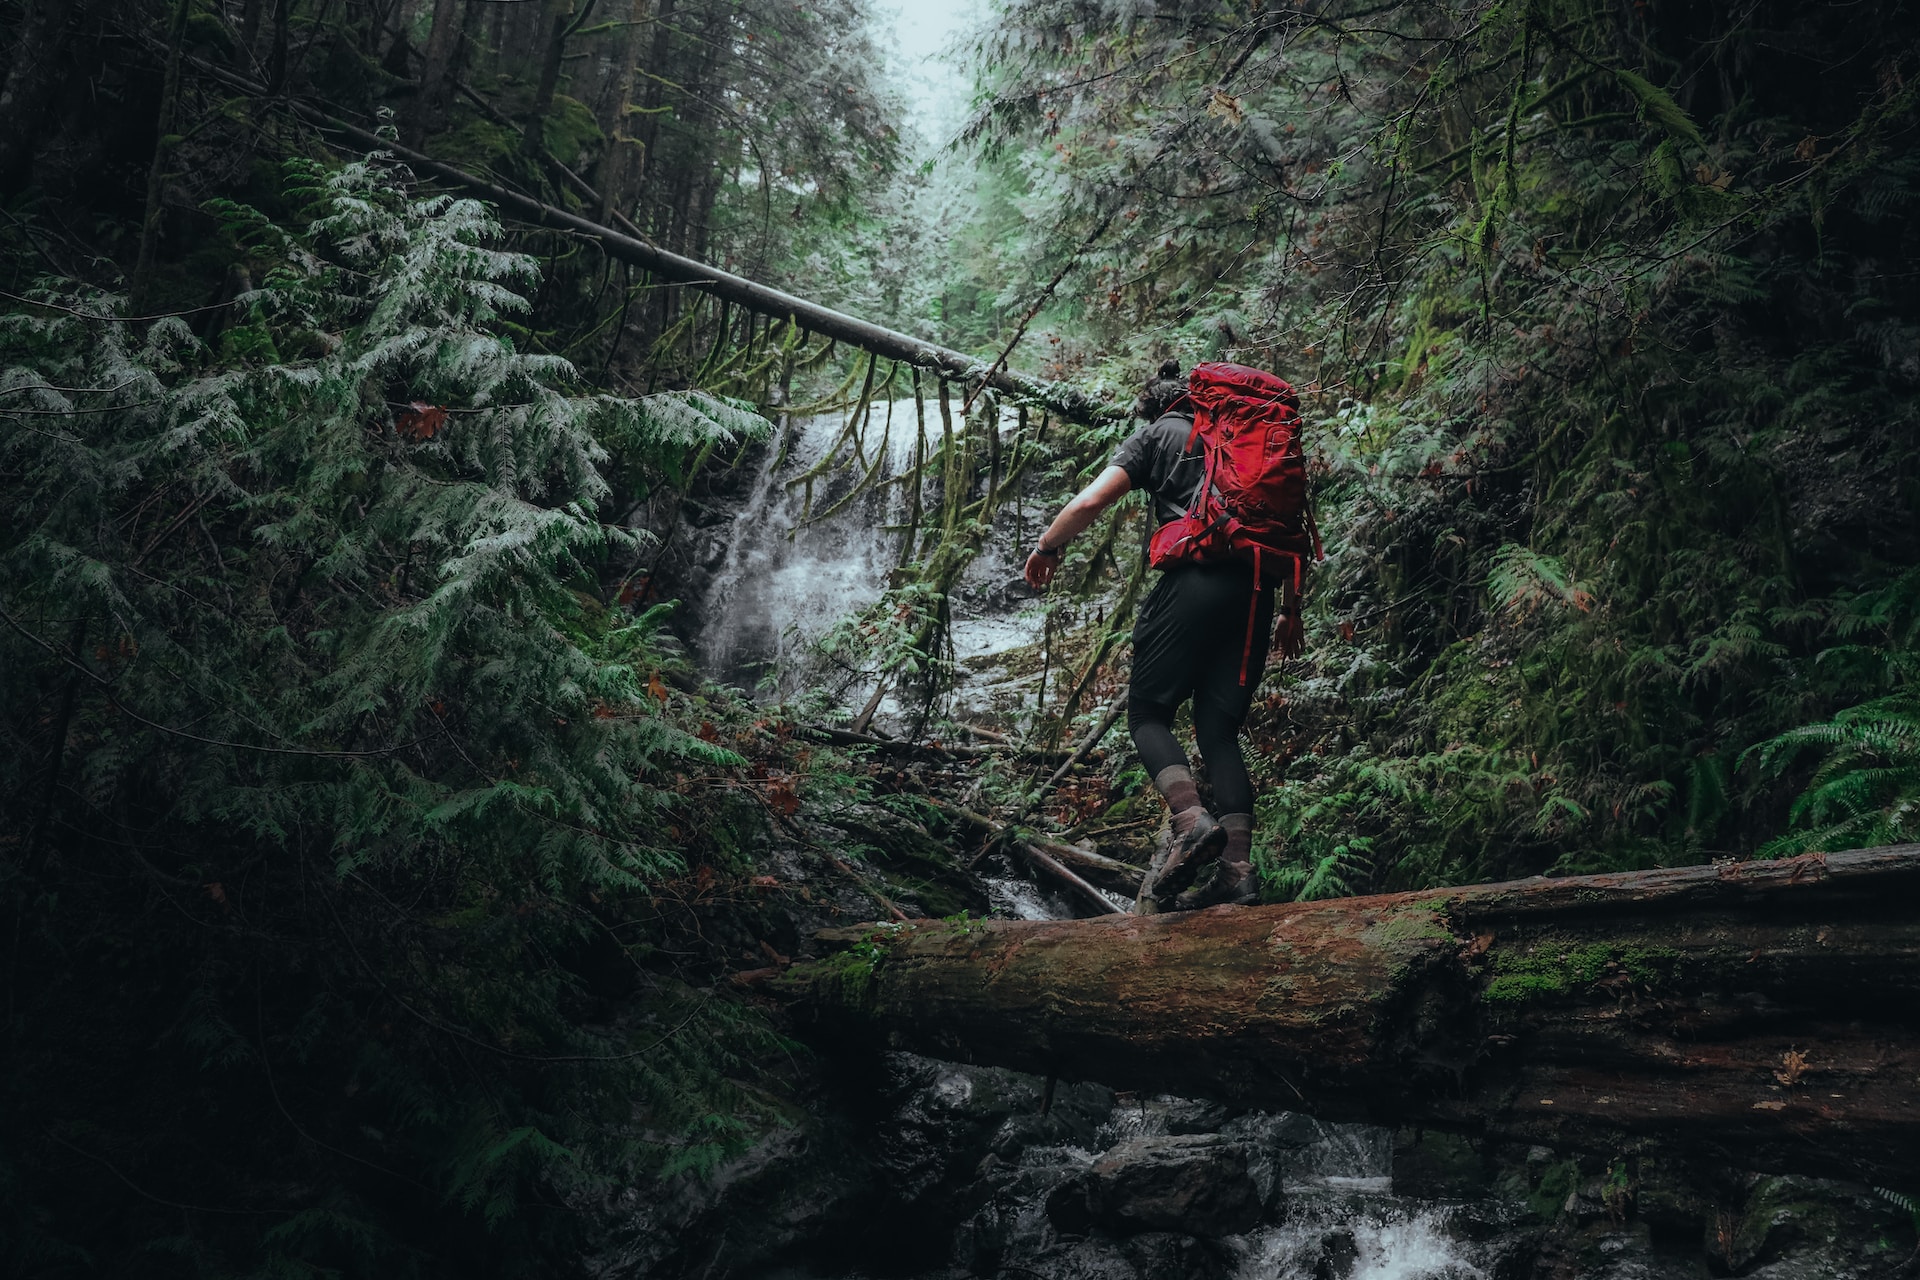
(1199, 425)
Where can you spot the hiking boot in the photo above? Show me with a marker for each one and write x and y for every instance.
(1225, 884)
(1177, 862)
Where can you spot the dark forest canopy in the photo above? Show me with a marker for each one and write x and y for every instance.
(376, 860)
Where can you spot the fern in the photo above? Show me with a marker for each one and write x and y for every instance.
(358, 692)
(1903, 1202)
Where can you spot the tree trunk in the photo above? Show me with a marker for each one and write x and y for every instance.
(28, 93)
(249, 33)
(156, 168)
(436, 66)
(614, 183)
(277, 57)
(560, 24)
(1761, 1014)
(649, 134)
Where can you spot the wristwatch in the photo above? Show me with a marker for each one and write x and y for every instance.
(1042, 551)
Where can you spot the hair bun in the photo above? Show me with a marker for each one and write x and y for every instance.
(1170, 369)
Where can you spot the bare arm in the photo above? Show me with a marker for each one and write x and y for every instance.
(1107, 488)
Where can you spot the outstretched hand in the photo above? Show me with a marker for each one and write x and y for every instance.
(1040, 570)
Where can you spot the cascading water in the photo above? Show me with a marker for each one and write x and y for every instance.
(787, 572)
(793, 559)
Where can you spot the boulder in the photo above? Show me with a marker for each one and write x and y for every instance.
(1194, 1184)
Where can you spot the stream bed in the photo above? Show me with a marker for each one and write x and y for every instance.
(916, 1169)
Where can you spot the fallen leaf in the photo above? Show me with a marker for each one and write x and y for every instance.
(420, 420)
(1793, 1065)
(782, 797)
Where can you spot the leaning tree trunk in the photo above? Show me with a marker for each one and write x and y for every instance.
(1766, 1014)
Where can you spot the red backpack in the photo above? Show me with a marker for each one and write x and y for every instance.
(1252, 505)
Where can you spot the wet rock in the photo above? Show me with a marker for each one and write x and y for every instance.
(784, 1189)
(1336, 1255)
(949, 1118)
(1160, 1253)
(1789, 1220)
(1011, 1227)
(1598, 1199)
(1437, 1166)
(1155, 1255)
(1673, 1205)
(1195, 1184)
(1171, 1115)
(1284, 1147)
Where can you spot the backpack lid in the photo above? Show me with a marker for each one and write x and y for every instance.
(1212, 385)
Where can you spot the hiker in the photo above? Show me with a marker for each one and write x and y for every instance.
(1203, 631)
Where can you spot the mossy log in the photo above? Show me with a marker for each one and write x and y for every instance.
(1764, 1014)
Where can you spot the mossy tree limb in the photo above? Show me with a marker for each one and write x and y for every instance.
(1760, 1014)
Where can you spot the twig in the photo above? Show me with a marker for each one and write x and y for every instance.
(1048, 856)
(141, 1191)
(1080, 753)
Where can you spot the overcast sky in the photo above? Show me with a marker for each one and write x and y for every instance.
(921, 32)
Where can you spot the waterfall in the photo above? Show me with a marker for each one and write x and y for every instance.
(784, 574)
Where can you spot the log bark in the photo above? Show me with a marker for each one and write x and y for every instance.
(1761, 1014)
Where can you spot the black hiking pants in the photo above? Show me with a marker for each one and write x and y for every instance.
(1201, 627)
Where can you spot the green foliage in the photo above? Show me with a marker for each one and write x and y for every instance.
(1866, 788)
(341, 763)
(1611, 436)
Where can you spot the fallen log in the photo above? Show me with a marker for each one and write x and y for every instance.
(623, 246)
(1764, 1015)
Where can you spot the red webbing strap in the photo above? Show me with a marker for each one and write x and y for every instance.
(1253, 609)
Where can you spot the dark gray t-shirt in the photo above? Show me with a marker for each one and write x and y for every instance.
(1156, 459)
